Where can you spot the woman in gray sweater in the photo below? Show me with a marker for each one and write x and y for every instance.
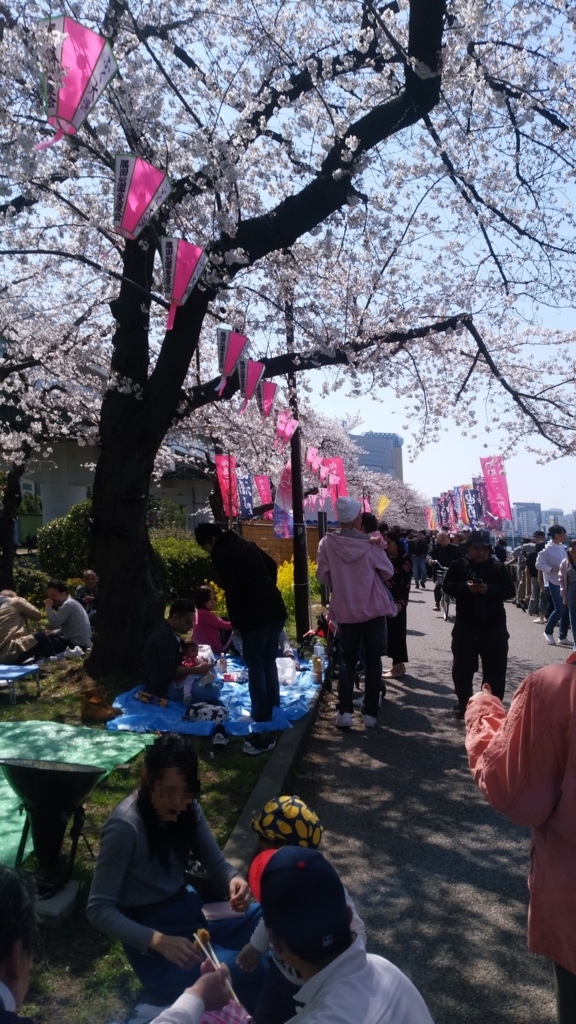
(139, 893)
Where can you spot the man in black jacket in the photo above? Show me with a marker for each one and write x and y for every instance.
(480, 585)
(256, 610)
(18, 937)
(445, 553)
(162, 668)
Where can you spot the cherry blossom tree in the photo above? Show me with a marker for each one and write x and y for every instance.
(400, 172)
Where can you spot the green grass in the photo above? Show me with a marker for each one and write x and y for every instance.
(80, 976)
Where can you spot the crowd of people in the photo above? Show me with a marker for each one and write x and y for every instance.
(292, 946)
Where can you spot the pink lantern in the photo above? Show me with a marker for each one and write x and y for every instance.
(231, 347)
(83, 63)
(183, 264)
(250, 374)
(265, 395)
(281, 421)
(139, 191)
(311, 454)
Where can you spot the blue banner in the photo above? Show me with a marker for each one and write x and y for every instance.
(246, 505)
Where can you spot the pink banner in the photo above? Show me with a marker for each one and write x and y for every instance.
(262, 484)
(250, 374)
(234, 349)
(496, 487)
(284, 489)
(335, 467)
(281, 421)
(226, 476)
(183, 264)
(265, 395)
(310, 457)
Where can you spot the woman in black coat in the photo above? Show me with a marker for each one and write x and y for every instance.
(399, 586)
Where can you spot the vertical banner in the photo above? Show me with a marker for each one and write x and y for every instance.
(226, 476)
(496, 487)
(469, 504)
(262, 485)
(244, 484)
(335, 467)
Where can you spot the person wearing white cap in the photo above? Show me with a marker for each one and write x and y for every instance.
(356, 568)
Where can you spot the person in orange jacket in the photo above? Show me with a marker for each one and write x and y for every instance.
(525, 765)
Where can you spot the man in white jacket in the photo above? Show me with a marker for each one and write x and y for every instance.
(548, 563)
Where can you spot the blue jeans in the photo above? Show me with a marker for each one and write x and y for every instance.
(419, 569)
(165, 981)
(371, 635)
(572, 609)
(259, 651)
(559, 612)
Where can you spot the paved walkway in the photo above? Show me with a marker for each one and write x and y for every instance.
(439, 878)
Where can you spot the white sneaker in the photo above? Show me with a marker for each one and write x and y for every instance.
(358, 702)
(565, 642)
(549, 638)
(540, 622)
(344, 721)
(73, 652)
(369, 721)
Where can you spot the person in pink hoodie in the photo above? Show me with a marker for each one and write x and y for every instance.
(525, 765)
(207, 624)
(356, 567)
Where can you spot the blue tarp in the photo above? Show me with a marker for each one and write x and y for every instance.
(139, 717)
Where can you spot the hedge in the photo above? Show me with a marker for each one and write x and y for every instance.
(31, 584)
(64, 544)
(183, 565)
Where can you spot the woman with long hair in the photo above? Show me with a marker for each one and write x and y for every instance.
(140, 892)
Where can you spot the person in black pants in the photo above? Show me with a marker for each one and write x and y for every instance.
(480, 585)
(257, 611)
(445, 553)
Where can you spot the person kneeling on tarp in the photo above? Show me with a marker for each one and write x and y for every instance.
(139, 892)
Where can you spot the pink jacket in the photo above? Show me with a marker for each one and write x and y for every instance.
(356, 570)
(207, 628)
(525, 765)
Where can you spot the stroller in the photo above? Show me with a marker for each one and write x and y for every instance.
(330, 632)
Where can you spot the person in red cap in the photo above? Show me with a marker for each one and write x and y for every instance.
(309, 925)
(525, 765)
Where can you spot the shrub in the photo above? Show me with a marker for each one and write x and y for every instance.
(183, 565)
(64, 544)
(285, 583)
(31, 584)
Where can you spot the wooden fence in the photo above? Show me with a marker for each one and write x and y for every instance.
(280, 549)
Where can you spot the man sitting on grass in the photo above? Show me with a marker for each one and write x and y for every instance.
(163, 673)
(70, 632)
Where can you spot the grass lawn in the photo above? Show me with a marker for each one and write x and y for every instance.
(80, 976)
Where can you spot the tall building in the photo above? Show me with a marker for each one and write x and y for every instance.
(382, 452)
(551, 516)
(527, 517)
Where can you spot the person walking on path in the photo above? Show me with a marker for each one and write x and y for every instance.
(567, 578)
(418, 552)
(525, 765)
(480, 585)
(257, 611)
(399, 587)
(356, 567)
(548, 562)
(538, 593)
(444, 553)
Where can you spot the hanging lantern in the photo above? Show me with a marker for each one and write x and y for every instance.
(183, 264)
(265, 394)
(250, 374)
(82, 65)
(139, 191)
(231, 347)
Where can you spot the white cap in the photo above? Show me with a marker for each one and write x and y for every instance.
(347, 509)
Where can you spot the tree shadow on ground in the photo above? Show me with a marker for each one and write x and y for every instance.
(438, 876)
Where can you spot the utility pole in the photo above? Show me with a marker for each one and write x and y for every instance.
(301, 585)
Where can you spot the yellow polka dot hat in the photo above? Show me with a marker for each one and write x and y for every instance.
(288, 820)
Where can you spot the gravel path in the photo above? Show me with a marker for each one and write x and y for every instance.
(439, 878)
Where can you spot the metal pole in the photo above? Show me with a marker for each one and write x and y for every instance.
(301, 584)
(322, 531)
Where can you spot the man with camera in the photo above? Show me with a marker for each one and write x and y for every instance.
(480, 585)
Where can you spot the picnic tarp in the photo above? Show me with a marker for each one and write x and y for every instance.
(140, 717)
(51, 741)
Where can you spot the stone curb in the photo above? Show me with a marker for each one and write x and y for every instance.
(242, 844)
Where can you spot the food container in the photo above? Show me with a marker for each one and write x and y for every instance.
(286, 671)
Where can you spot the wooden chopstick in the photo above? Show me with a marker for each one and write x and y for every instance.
(212, 956)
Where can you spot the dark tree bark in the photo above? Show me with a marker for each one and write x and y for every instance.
(138, 412)
(11, 499)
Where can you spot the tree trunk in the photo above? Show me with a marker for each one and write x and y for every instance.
(10, 504)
